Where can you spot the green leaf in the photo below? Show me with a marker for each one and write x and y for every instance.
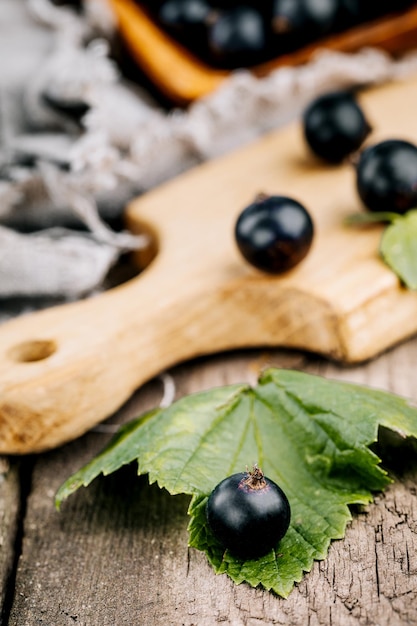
(367, 218)
(122, 450)
(399, 248)
(308, 434)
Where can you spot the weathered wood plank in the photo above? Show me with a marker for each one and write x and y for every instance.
(117, 553)
(10, 499)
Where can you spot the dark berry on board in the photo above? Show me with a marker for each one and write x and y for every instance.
(274, 233)
(335, 126)
(386, 176)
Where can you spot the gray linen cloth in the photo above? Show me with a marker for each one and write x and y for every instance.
(63, 181)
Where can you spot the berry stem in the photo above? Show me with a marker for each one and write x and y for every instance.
(261, 196)
(255, 478)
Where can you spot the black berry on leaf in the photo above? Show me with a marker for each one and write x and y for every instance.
(335, 126)
(248, 514)
(386, 176)
(274, 233)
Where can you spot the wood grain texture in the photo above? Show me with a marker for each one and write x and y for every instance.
(67, 368)
(10, 515)
(117, 554)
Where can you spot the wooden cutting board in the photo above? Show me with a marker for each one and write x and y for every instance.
(65, 369)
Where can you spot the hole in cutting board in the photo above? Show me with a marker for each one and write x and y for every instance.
(34, 350)
(143, 257)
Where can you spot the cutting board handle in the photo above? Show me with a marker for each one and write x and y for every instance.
(65, 369)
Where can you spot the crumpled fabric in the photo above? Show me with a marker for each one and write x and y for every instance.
(59, 256)
(56, 172)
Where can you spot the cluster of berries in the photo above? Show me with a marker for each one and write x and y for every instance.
(275, 233)
(232, 33)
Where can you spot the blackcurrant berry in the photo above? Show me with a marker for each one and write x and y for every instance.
(335, 126)
(296, 22)
(248, 514)
(274, 233)
(179, 15)
(354, 11)
(237, 36)
(386, 176)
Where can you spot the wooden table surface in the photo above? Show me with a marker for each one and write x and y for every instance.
(117, 555)
(117, 552)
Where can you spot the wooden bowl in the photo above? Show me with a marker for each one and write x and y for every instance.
(182, 78)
